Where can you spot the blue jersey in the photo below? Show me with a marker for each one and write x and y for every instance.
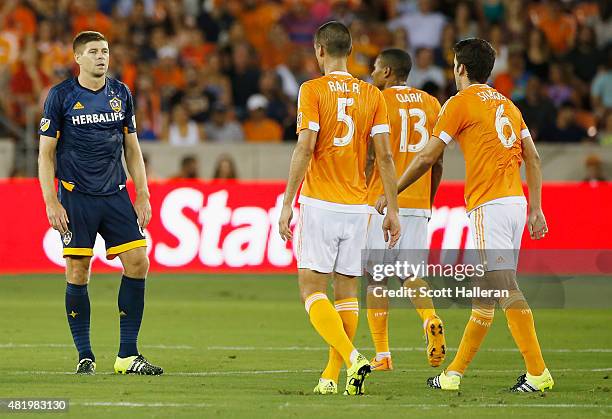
(90, 127)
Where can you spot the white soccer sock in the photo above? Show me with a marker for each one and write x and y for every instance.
(381, 355)
(354, 356)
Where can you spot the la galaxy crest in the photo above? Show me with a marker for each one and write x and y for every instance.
(115, 104)
(67, 237)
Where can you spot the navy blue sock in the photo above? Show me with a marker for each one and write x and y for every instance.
(78, 312)
(131, 307)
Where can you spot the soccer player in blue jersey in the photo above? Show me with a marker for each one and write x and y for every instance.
(88, 122)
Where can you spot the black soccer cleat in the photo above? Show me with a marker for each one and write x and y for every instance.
(86, 367)
(136, 365)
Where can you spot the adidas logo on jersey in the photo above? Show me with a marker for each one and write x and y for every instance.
(78, 106)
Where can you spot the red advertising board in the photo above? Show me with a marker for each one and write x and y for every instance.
(202, 226)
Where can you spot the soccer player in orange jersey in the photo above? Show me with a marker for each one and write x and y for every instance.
(495, 141)
(338, 115)
(412, 115)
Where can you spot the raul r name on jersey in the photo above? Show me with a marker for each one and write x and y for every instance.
(337, 86)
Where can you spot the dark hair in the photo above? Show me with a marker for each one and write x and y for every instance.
(188, 160)
(335, 38)
(225, 158)
(478, 57)
(398, 61)
(84, 37)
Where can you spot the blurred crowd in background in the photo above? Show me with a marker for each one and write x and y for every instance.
(230, 70)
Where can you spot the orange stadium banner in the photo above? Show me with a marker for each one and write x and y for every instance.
(201, 226)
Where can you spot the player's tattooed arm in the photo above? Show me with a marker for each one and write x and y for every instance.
(136, 167)
(536, 221)
(56, 214)
(297, 170)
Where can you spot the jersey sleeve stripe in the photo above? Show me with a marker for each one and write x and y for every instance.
(379, 129)
(525, 133)
(445, 137)
(313, 126)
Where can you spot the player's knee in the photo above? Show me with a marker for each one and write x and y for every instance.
(77, 270)
(514, 300)
(137, 267)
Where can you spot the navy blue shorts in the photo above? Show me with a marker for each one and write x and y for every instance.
(112, 216)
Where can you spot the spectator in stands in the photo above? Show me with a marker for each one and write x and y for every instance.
(558, 26)
(538, 111)
(601, 88)
(364, 51)
(148, 104)
(559, 89)
(195, 96)
(258, 127)
(222, 130)
(515, 18)
(244, 77)
(423, 27)
(585, 57)
(290, 123)
(278, 43)
(497, 38)
(594, 169)
(292, 73)
(168, 75)
(605, 135)
(425, 70)
(270, 87)
(183, 131)
(216, 83)
(464, 23)
(225, 168)
(299, 23)
(565, 129)
(512, 83)
(537, 54)
(188, 169)
(444, 55)
(492, 10)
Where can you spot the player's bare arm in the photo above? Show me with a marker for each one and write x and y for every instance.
(297, 170)
(536, 221)
(386, 167)
(136, 167)
(436, 176)
(56, 214)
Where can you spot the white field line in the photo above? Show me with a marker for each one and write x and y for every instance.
(399, 349)
(356, 405)
(11, 345)
(264, 372)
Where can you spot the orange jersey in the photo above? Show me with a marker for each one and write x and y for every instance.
(412, 116)
(489, 129)
(345, 112)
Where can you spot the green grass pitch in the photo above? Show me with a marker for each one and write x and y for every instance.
(241, 346)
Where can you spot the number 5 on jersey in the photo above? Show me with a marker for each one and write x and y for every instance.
(343, 102)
